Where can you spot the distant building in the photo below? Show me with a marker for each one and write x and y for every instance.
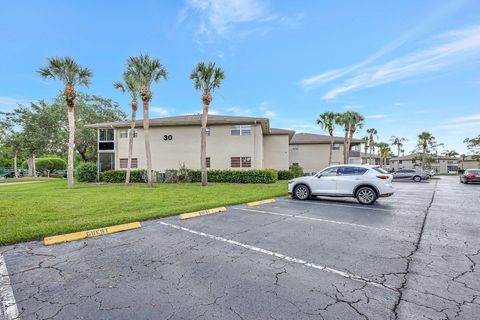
(468, 162)
(311, 151)
(441, 164)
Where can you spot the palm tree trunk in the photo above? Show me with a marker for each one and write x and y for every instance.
(15, 164)
(345, 145)
(331, 151)
(130, 147)
(71, 143)
(370, 156)
(398, 161)
(146, 125)
(203, 146)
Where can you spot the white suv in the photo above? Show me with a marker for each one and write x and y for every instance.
(366, 183)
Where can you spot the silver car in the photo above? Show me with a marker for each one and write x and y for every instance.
(410, 174)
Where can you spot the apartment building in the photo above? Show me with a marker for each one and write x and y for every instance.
(469, 162)
(311, 151)
(232, 143)
(441, 164)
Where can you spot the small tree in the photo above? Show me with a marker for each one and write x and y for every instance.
(206, 77)
(71, 74)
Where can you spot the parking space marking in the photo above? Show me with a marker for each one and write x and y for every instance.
(284, 257)
(8, 305)
(311, 218)
(336, 204)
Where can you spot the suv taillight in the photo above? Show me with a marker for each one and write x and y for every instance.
(383, 177)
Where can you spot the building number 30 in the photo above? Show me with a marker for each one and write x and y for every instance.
(167, 137)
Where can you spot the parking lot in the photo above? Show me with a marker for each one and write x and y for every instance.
(415, 255)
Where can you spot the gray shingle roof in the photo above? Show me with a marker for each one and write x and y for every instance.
(311, 138)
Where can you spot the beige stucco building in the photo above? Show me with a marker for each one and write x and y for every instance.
(469, 162)
(232, 143)
(311, 151)
(441, 164)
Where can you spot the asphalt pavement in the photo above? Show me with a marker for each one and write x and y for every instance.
(412, 256)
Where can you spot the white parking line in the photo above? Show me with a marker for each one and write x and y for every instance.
(311, 218)
(283, 257)
(8, 305)
(334, 204)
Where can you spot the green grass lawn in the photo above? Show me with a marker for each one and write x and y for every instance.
(26, 179)
(33, 211)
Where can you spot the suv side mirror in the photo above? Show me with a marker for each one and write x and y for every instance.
(319, 176)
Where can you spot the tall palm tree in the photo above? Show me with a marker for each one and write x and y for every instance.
(384, 150)
(327, 121)
(450, 153)
(356, 123)
(206, 77)
(366, 146)
(67, 70)
(373, 135)
(342, 119)
(145, 70)
(425, 140)
(398, 142)
(132, 87)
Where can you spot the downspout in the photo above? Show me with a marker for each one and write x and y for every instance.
(255, 142)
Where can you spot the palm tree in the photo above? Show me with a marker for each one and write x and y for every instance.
(384, 150)
(450, 153)
(206, 77)
(425, 140)
(373, 135)
(67, 70)
(398, 142)
(144, 70)
(356, 123)
(327, 121)
(132, 87)
(366, 145)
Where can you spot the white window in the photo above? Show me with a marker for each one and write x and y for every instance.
(106, 135)
(124, 133)
(208, 131)
(241, 130)
(241, 162)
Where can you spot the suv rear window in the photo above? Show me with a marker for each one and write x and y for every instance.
(378, 169)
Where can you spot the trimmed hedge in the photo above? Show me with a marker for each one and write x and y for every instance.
(87, 172)
(237, 176)
(119, 176)
(296, 170)
(285, 175)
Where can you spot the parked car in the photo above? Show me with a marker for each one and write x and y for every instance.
(470, 175)
(11, 174)
(411, 174)
(365, 183)
(59, 173)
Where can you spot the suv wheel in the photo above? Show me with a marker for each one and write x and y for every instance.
(301, 192)
(417, 178)
(366, 195)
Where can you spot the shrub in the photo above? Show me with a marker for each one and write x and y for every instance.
(461, 171)
(5, 162)
(296, 170)
(119, 176)
(87, 172)
(238, 176)
(285, 175)
(48, 164)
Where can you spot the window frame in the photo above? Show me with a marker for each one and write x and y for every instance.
(125, 166)
(243, 130)
(243, 162)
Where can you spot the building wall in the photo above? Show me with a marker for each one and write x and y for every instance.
(184, 147)
(469, 164)
(441, 166)
(314, 157)
(276, 152)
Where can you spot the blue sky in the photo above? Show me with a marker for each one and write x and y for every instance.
(407, 66)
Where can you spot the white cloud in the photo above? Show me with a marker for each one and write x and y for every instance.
(470, 118)
(458, 46)
(265, 108)
(160, 111)
(377, 116)
(222, 17)
(9, 103)
(238, 111)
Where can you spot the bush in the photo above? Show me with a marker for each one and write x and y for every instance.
(87, 172)
(285, 175)
(48, 164)
(296, 170)
(5, 162)
(119, 176)
(238, 176)
(461, 171)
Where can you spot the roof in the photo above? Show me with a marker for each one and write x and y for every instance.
(311, 138)
(187, 120)
(276, 131)
(419, 155)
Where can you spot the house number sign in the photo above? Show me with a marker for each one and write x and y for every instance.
(167, 137)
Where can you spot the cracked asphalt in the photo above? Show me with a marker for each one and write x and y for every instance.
(415, 255)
